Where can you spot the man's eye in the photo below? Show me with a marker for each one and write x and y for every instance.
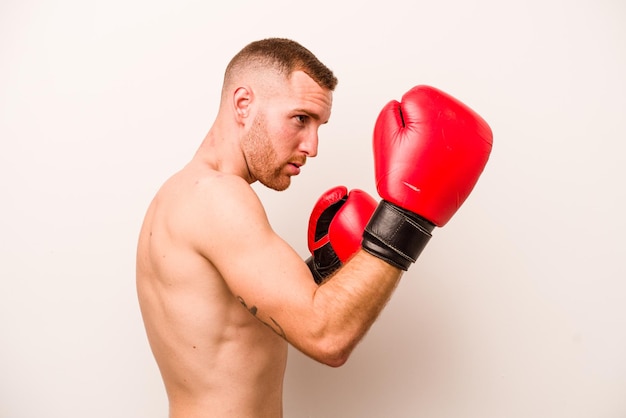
(301, 118)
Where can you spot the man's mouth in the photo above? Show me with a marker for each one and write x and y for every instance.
(296, 167)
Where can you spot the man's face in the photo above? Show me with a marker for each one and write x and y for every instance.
(284, 131)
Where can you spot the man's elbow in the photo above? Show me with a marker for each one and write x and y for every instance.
(332, 353)
(336, 361)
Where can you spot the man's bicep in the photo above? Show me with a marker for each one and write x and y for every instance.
(274, 284)
(262, 271)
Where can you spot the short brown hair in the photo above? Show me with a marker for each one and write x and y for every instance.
(286, 56)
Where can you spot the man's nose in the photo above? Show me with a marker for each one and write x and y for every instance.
(309, 145)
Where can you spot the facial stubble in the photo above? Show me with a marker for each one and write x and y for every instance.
(262, 158)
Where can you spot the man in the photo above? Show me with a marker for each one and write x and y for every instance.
(221, 294)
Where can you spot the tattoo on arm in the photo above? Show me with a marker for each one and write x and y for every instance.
(275, 326)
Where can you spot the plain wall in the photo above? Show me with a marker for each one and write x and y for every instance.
(515, 309)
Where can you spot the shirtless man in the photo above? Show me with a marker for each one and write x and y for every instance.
(221, 293)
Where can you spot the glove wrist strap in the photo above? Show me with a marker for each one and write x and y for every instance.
(396, 235)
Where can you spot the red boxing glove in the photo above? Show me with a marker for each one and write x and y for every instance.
(429, 152)
(336, 227)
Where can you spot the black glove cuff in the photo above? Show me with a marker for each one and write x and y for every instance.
(396, 235)
(323, 263)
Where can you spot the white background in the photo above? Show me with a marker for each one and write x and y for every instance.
(515, 309)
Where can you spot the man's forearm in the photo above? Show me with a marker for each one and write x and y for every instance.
(349, 302)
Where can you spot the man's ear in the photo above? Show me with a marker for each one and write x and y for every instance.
(242, 101)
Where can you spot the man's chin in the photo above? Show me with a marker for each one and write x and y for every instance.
(278, 185)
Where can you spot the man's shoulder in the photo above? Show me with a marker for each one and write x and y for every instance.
(219, 188)
(216, 209)
(193, 183)
(212, 195)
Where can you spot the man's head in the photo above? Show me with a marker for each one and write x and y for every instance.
(278, 94)
(283, 56)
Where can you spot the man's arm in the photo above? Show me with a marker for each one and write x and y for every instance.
(272, 281)
(355, 295)
(429, 151)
